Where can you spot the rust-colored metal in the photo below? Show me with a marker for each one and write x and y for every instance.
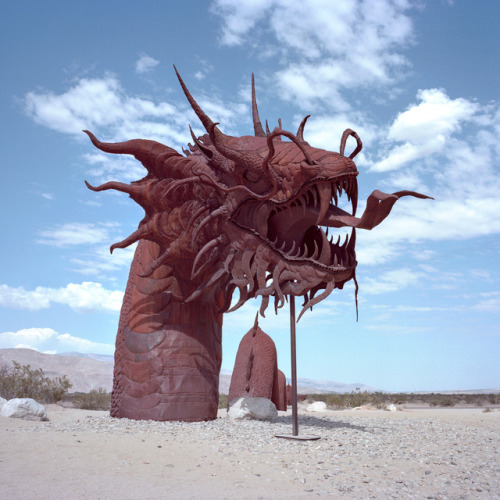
(231, 213)
(282, 391)
(255, 373)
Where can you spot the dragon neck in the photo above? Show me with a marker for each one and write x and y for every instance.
(167, 350)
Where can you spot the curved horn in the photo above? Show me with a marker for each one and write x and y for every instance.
(270, 145)
(300, 130)
(345, 136)
(146, 151)
(207, 152)
(204, 118)
(246, 158)
(257, 126)
(216, 136)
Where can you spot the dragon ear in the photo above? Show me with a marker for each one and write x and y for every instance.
(345, 136)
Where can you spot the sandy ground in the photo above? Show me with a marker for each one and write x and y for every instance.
(361, 454)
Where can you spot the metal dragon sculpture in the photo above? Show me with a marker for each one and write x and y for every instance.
(231, 213)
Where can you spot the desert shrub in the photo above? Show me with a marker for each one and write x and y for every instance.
(94, 400)
(311, 398)
(357, 398)
(21, 381)
(493, 399)
(399, 399)
(335, 401)
(378, 400)
(440, 400)
(223, 402)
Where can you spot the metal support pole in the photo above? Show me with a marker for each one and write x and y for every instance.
(295, 421)
(293, 349)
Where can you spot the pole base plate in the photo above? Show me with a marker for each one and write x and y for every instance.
(301, 437)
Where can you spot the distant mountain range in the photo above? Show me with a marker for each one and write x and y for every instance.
(84, 372)
(91, 371)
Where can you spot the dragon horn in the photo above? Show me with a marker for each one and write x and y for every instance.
(146, 151)
(300, 130)
(257, 126)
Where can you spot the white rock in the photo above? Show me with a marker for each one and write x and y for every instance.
(391, 408)
(2, 402)
(25, 408)
(364, 407)
(317, 406)
(252, 408)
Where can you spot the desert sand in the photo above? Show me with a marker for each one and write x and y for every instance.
(438, 453)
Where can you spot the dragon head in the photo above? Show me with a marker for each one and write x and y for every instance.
(251, 213)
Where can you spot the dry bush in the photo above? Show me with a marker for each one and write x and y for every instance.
(223, 402)
(21, 381)
(94, 400)
(440, 400)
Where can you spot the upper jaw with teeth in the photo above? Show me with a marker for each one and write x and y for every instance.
(293, 226)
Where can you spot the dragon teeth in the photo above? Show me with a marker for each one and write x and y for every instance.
(325, 196)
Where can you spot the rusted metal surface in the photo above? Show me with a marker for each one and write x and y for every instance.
(231, 213)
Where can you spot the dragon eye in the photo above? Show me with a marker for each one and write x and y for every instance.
(251, 176)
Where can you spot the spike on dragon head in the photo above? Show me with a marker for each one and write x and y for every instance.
(251, 213)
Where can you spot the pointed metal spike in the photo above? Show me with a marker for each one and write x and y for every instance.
(325, 195)
(354, 198)
(344, 245)
(326, 251)
(334, 193)
(315, 254)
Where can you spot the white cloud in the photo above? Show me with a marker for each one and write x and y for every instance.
(490, 302)
(102, 261)
(336, 45)
(145, 64)
(391, 281)
(104, 167)
(82, 297)
(48, 340)
(239, 17)
(97, 103)
(75, 233)
(425, 128)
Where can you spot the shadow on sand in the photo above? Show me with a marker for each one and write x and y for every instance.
(320, 423)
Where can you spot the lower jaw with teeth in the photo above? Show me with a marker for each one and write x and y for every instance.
(319, 249)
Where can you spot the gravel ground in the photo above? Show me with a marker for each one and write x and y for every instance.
(434, 454)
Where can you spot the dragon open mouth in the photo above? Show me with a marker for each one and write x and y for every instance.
(298, 228)
(294, 227)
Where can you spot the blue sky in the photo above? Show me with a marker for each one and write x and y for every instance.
(418, 81)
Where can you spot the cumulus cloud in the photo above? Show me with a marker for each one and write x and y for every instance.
(145, 64)
(337, 45)
(102, 262)
(48, 340)
(81, 297)
(391, 281)
(94, 257)
(425, 129)
(102, 103)
(75, 233)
